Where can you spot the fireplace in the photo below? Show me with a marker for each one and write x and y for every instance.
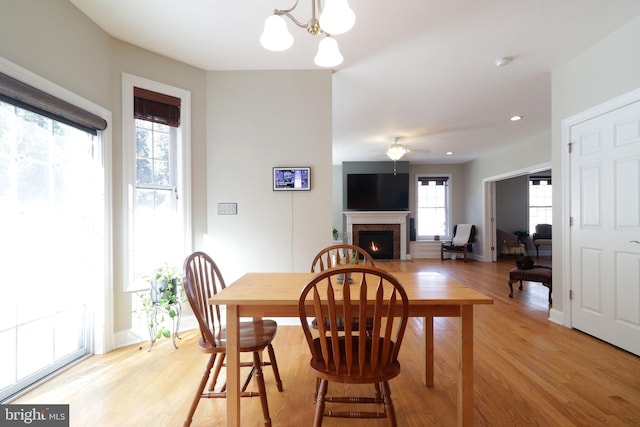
(379, 243)
(383, 234)
(394, 222)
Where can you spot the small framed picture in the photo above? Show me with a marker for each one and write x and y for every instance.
(291, 178)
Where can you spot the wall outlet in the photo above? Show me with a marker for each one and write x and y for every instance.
(227, 208)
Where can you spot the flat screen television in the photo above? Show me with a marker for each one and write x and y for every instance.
(378, 192)
(291, 178)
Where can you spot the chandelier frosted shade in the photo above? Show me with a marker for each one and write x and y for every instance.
(396, 151)
(337, 17)
(328, 53)
(276, 37)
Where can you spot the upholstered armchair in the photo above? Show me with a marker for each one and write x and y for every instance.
(542, 236)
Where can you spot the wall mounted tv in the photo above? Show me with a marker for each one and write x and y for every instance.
(378, 192)
(291, 178)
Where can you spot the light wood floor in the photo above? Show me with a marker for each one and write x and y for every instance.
(528, 372)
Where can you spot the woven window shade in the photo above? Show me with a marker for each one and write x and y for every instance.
(156, 107)
(20, 94)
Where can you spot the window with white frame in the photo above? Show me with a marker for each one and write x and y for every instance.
(432, 207)
(155, 141)
(540, 201)
(52, 193)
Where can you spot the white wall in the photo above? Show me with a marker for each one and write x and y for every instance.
(257, 120)
(524, 156)
(608, 69)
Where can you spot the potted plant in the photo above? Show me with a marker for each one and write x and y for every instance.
(163, 303)
(164, 284)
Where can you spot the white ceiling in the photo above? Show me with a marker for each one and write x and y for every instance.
(421, 70)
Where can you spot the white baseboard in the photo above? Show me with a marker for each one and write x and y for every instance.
(136, 336)
(556, 316)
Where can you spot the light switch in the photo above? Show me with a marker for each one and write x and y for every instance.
(227, 208)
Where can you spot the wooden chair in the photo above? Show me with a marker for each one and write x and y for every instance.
(334, 256)
(351, 357)
(461, 242)
(340, 254)
(202, 280)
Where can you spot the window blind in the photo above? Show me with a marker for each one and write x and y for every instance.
(439, 180)
(156, 107)
(22, 95)
(537, 180)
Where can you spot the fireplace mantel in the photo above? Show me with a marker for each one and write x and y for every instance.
(379, 217)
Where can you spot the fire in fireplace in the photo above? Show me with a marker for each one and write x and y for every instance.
(379, 243)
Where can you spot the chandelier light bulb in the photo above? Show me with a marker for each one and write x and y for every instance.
(328, 53)
(276, 36)
(337, 17)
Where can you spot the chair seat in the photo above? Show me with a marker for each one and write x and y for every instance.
(455, 247)
(358, 375)
(254, 336)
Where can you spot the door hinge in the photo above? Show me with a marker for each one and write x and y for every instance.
(570, 147)
(570, 221)
(570, 293)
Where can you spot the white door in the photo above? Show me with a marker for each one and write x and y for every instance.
(605, 235)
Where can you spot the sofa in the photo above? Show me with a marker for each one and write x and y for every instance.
(509, 244)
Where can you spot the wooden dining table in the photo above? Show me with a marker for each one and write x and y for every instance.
(431, 294)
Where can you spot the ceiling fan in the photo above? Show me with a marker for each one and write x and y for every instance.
(396, 150)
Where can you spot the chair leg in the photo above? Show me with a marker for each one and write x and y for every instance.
(201, 386)
(316, 389)
(216, 370)
(257, 364)
(274, 365)
(388, 404)
(322, 391)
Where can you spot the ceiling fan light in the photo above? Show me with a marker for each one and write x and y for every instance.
(328, 53)
(396, 151)
(276, 36)
(337, 17)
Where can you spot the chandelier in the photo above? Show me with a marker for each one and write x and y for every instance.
(335, 18)
(396, 151)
